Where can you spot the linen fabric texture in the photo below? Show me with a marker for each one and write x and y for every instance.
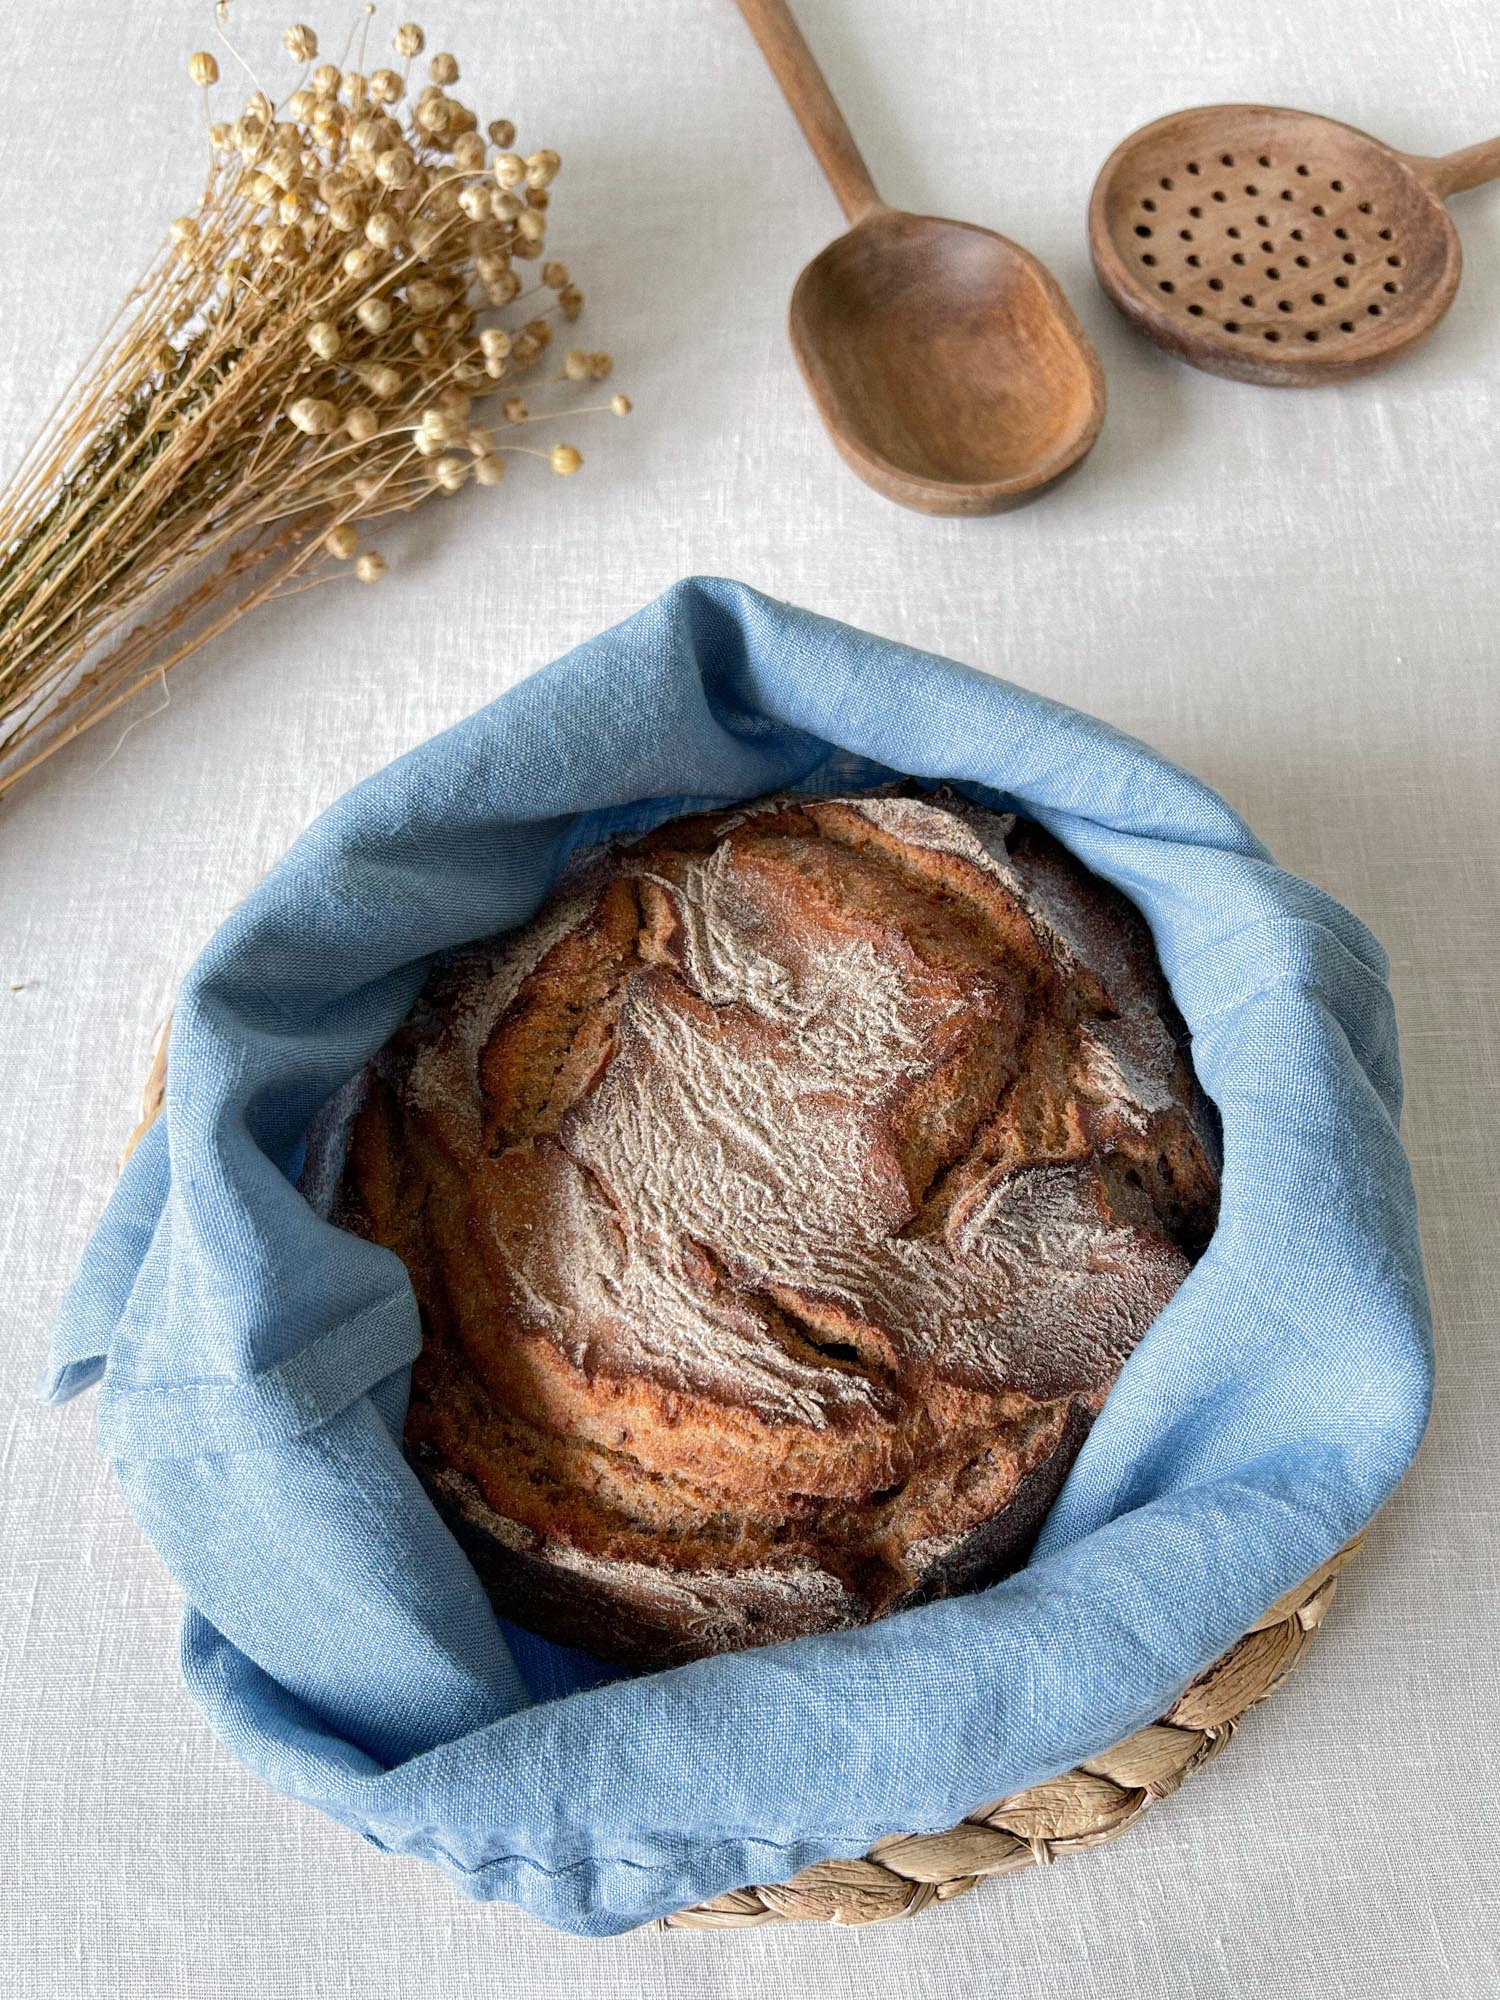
(253, 1362)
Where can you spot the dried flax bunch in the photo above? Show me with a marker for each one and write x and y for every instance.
(317, 345)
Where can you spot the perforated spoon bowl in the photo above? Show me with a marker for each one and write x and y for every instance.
(1277, 246)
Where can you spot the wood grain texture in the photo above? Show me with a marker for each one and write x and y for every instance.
(1277, 246)
(944, 360)
(805, 89)
(946, 364)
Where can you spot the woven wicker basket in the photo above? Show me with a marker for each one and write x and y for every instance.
(1093, 1803)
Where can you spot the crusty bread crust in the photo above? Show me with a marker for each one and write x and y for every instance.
(782, 1204)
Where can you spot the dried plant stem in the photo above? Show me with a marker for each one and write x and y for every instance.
(121, 675)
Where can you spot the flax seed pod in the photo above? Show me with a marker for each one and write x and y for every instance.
(314, 416)
(374, 314)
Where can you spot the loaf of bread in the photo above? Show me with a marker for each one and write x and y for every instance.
(781, 1203)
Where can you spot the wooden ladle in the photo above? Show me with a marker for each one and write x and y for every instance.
(944, 360)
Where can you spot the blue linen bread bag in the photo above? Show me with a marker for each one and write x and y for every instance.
(253, 1361)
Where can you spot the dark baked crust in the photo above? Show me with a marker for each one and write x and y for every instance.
(651, 1616)
(782, 1204)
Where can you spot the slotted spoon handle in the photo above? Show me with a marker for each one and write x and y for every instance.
(802, 85)
(1451, 173)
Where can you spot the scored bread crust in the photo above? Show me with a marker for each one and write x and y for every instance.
(781, 1203)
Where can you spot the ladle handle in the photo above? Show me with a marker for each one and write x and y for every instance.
(1470, 167)
(802, 85)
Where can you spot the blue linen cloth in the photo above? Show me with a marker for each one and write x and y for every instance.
(253, 1361)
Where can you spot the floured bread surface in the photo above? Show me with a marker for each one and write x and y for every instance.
(781, 1203)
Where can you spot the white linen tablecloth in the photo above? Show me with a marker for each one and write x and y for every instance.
(1294, 595)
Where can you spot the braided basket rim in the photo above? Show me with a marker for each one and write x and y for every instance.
(1088, 1806)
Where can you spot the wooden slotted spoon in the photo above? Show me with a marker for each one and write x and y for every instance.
(1278, 246)
(944, 360)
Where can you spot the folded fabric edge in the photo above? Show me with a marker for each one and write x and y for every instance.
(310, 1389)
(609, 1893)
(60, 1382)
